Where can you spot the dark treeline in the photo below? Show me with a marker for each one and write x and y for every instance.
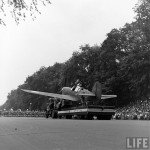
(121, 63)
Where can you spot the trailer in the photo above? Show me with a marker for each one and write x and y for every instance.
(89, 112)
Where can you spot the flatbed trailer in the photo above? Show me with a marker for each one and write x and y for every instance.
(85, 112)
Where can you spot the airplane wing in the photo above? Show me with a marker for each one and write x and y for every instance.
(102, 97)
(108, 96)
(85, 92)
(67, 97)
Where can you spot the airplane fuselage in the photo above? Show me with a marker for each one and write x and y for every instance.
(69, 91)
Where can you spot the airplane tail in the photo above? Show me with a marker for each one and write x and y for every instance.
(97, 90)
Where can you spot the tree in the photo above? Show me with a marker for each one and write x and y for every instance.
(121, 62)
(20, 9)
(45, 79)
(82, 65)
(143, 17)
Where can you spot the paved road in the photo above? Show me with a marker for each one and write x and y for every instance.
(48, 134)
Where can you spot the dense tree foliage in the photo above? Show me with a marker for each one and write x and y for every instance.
(20, 9)
(121, 63)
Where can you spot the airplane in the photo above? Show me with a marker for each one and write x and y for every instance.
(75, 95)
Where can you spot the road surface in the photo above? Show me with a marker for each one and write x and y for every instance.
(48, 134)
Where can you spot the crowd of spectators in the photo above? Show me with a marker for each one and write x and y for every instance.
(19, 113)
(134, 111)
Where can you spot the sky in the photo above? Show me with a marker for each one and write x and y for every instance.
(60, 30)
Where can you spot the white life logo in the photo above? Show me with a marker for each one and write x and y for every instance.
(137, 142)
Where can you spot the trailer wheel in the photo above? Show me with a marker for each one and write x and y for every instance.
(89, 117)
(59, 117)
(68, 117)
(104, 117)
(82, 117)
(109, 117)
